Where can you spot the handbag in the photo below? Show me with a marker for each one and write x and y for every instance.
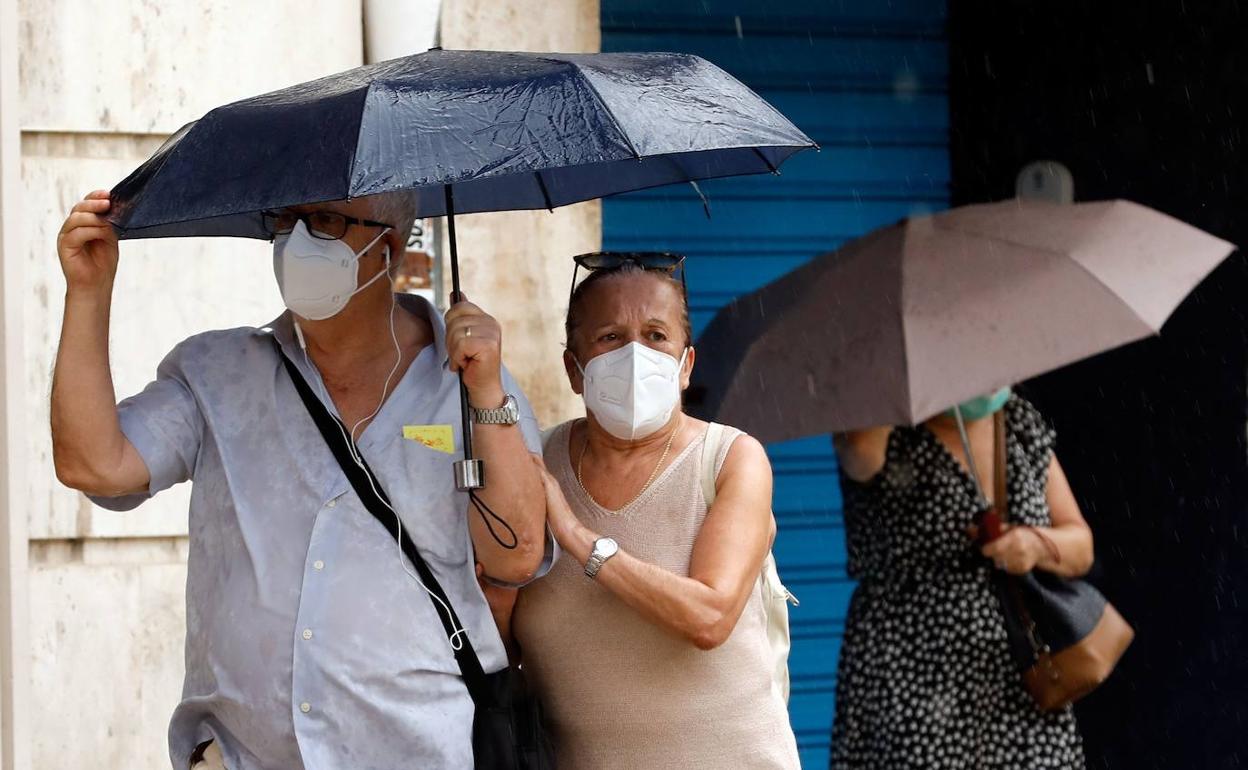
(508, 732)
(776, 598)
(1065, 637)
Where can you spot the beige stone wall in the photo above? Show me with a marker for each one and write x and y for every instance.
(166, 290)
(14, 556)
(517, 265)
(100, 87)
(106, 625)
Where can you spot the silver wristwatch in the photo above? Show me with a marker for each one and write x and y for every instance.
(604, 548)
(507, 414)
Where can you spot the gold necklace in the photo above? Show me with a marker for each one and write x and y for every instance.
(580, 463)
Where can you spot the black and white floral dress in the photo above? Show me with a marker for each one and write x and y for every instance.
(925, 677)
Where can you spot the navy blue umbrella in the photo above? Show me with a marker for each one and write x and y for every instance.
(462, 131)
(506, 131)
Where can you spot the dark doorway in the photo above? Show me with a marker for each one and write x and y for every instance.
(1145, 101)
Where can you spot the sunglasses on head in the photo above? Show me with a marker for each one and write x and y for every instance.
(660, 261)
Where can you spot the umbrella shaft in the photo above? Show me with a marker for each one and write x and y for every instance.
(465, 421)
(970, 456)
(450, 232)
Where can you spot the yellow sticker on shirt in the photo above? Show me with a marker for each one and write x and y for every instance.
(439, 438)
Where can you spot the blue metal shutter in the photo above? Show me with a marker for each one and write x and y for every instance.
(866, 80)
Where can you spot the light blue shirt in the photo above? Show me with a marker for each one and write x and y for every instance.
(308, 645)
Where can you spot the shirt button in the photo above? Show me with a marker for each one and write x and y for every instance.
(305, 707)
(307, 633)
(331, 503)
(318, 564)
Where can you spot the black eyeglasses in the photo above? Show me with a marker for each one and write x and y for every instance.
(660, 261)
(326, 225)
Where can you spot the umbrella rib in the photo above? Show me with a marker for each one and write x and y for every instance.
(173, 142)
(770, 165)
(1115, 294)
(706, 204)
(359, 132)
(1083, 267)
(541, 183)
(905, 338)
(607, 110)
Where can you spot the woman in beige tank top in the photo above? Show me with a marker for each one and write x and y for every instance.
(661, 659)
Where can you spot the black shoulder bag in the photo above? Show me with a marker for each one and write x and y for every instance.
(507, 728)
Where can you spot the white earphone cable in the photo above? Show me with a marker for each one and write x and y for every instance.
(457, 629)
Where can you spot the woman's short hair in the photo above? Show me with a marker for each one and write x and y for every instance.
(625, 269)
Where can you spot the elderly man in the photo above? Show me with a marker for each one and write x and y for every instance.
(310, 642)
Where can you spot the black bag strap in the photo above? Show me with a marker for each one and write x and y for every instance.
(1001, 501)
(368, 487)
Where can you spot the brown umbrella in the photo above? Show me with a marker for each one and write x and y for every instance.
(911, 319)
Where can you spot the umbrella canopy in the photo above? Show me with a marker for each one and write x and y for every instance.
(911, 319)
(507, 130)
(461, 131)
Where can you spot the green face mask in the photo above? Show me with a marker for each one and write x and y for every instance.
(982, 406)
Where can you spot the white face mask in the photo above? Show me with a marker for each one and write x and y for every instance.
(632, 391)
(317, 277)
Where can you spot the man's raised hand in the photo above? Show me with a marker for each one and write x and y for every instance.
(87, 245)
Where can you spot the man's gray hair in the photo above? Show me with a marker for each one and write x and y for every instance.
(394, 208)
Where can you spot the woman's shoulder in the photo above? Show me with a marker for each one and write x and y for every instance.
(728, 436)
(722, 442)
(562, 427)
(1022, 410)
(556, 436)
(727, 432)
(1029, 422)
(862, 455)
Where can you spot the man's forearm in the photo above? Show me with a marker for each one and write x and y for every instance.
(513, 491)
(86, 436)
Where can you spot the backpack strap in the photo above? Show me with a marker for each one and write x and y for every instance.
(710, 452)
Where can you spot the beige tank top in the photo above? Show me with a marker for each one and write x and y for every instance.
(623, 693)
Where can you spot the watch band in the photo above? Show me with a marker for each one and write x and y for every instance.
(507, 414)
(594, 564)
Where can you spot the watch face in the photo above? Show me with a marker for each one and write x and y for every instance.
(607, 547)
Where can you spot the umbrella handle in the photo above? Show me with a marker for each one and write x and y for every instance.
(470, 471)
